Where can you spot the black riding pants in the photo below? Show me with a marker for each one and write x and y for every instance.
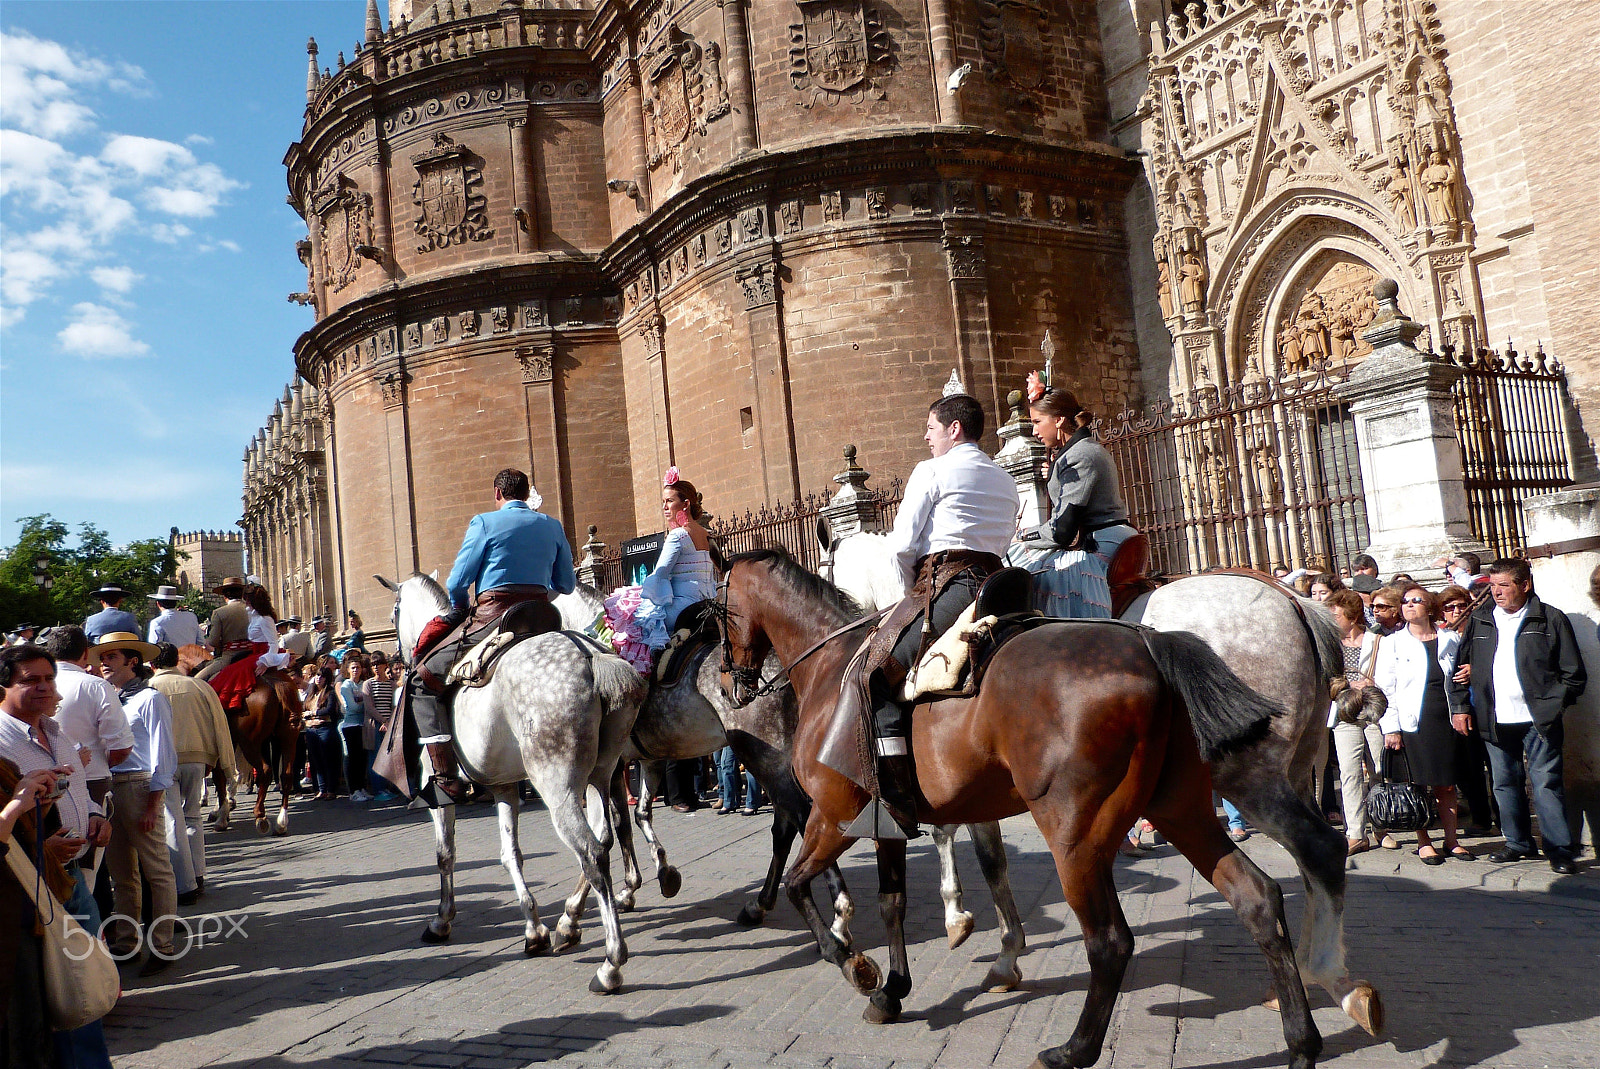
(892, 719)
(429, 710)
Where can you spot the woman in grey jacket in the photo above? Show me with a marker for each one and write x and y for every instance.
(1069, 555)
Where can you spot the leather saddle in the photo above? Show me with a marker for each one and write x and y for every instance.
(522, 621)
(695, 628)
(1128, 575)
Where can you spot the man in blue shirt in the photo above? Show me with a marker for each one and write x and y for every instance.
(509, 556)
(110, 617)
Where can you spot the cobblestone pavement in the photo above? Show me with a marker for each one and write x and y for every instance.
(1480, 965)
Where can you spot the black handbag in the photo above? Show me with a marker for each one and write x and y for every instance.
(1400, 805)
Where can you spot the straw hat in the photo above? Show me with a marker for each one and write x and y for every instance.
(123, 640)
(232, 582)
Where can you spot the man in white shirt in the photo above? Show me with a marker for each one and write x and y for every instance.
(956, 519)
(177, 626)
(91, 716)
(1523, 668)
(138, 787)
(296, 641)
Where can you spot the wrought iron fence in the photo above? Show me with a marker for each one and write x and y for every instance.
(1259, 473)
(1511, 416)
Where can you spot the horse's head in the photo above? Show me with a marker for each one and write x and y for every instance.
(417, 600)
(745, 645)
(770, 604)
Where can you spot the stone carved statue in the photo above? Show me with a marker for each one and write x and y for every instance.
(1313, 324)
(1164, 288)
(1401, 202)
(1192, 282)
(1439, 188)
(1290, 353)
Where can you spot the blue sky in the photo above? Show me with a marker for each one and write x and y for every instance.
(146, 251)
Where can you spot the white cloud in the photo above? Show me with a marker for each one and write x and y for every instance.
(98, 331)
(65, 207)
(115, 279)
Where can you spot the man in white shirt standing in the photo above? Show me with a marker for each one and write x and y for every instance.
(177, 626)
(91, 716)
(1523, 669)
(138, 787)
(957, 517)
(296, 641)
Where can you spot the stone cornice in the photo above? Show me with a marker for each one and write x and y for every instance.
(933, 153)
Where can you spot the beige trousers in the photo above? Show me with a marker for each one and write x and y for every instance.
(133, 853)
(1356, 746)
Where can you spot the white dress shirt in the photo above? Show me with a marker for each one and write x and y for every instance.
(265, 629)
(154, 752)
(1510, 706)
(25, 748)
(1402, 674)
(962, 500)
(177, 626)
(91, 716)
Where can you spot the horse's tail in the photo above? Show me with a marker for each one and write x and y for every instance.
(1224, 712)
(616, 682)
(1324, 633)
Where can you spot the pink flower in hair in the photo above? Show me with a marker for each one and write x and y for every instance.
(1036, 388)
(671, 478)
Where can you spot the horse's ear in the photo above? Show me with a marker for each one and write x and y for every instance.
(434, 575)
(824, 533)
(387, 585)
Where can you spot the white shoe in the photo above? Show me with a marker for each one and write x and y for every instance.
(361, 796)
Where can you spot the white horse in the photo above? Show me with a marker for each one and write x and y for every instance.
(1285, 654)
(557, 712)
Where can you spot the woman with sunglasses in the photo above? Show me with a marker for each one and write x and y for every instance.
(1472, 759)
(1413, 666)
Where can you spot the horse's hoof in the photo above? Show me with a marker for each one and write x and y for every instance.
(569, 937)
(1365, 1007)
(671, 882)
(882, 1008)
(607, 980)
(999, 981)
(862, 972)
(264, 826)
(432, 937)
(280, 830)
(959, 931)
(539, 944)
(1271, 1000)
(751, 916)
(1051, 1059)
(625, 905)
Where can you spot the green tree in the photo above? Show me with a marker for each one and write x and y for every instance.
(76, 571)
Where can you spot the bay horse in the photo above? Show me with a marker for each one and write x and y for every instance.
(1284, 647)
(557, 711)
(1083, 724)
(265, 730)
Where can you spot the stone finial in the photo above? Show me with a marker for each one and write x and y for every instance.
(1391, 326)
(313, 76)
(1014, 401)
(1048, 349)
(954, 386)
(852, 509)
(374, 23)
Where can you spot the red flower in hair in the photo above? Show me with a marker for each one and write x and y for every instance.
(1036, 388)
(671, 478)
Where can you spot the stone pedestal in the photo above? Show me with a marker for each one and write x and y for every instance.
(1411, 466)
(1564, 551)
(1024, 457)
(852, 510)
(591, 568)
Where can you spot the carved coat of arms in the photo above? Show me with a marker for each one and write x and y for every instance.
(451, 210)
(344, 215)
(685, 90)
(1013, 36)
(836, 49)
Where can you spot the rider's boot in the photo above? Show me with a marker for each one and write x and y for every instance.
(897, 786)
(446, 788)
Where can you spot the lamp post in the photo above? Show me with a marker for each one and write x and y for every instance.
(41, 574)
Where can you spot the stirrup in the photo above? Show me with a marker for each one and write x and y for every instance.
(435, 796)
(877, 821)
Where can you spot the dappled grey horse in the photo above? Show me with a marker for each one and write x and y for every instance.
(557, 712)
(1285, 648)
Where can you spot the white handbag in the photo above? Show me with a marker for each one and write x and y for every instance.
(80, 978)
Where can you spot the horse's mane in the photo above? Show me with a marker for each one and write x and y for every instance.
(441, 598)
(806, 584)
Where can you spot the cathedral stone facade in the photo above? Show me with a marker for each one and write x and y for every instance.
(594, 240)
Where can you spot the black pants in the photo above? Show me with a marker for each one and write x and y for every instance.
(355, 759)
(431, 713)
(891, 719)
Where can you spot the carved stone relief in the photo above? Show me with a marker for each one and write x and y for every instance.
(344, 219)
(1014, 38)
(839, 51)
(684, 90)
(451, 209)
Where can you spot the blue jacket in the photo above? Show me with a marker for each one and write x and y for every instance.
(108, 620)
(514, 546)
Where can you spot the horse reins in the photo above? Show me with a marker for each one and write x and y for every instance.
(752, 676)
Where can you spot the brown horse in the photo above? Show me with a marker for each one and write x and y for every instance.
(265, 730)
(1084, 724)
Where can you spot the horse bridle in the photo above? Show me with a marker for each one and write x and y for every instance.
(751, 677)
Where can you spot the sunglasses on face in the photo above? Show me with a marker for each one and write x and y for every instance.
(1412, 601)
(1454, 606)
(1378, 606)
